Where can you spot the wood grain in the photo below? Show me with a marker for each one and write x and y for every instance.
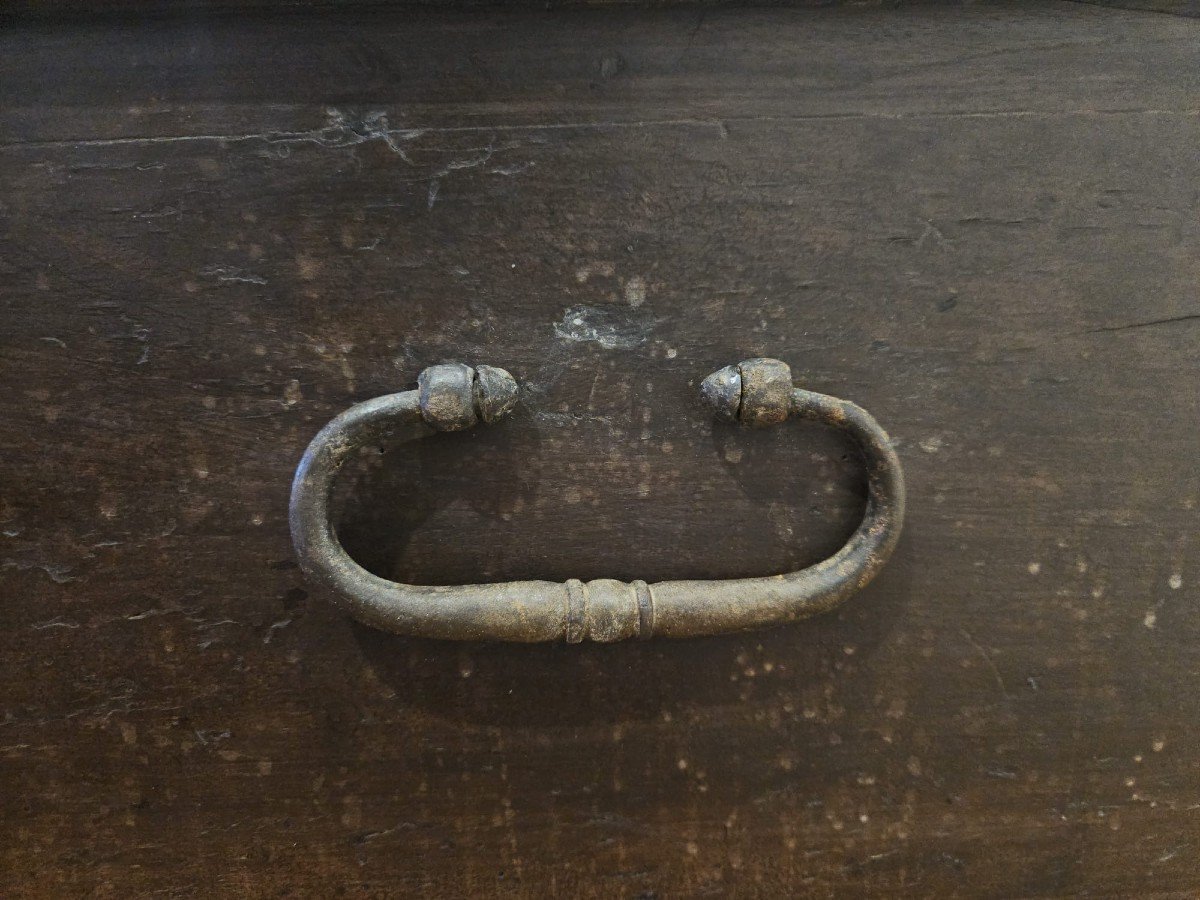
(978, 223)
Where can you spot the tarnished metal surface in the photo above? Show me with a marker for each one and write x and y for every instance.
(757, 393)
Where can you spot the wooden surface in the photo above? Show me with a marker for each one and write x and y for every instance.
(979, 223)
(62, 11)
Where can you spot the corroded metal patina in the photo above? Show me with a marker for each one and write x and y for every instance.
(757, 393)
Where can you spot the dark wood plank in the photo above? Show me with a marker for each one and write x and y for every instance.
(216, 234)
(1188, 8)
(60, 11)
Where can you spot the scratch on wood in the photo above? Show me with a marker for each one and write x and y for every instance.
(1150, 323)
(987, 660)
(322, 136)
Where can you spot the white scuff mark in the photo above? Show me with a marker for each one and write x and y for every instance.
(284, 623)
(216, 624)
(231, 274)
(434, 187)
(375, 126)
(339, 132)
(515, 169)
(932, 444)
(164, 213)
(211, 736)
(142, 334)
(58, 573)
(57, 622)
(612, 329)
(456, 165)
(155, 613)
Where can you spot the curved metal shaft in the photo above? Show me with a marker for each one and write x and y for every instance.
(453, 397)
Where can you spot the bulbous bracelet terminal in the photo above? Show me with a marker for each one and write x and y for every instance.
(757, 393)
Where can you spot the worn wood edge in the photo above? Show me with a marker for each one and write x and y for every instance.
(70, 11)
(66, 11)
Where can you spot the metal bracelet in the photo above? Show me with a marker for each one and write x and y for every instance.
(757, 393)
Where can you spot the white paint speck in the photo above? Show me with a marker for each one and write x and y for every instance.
(1175, 581)
(1151, 619)
(1034, 568)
